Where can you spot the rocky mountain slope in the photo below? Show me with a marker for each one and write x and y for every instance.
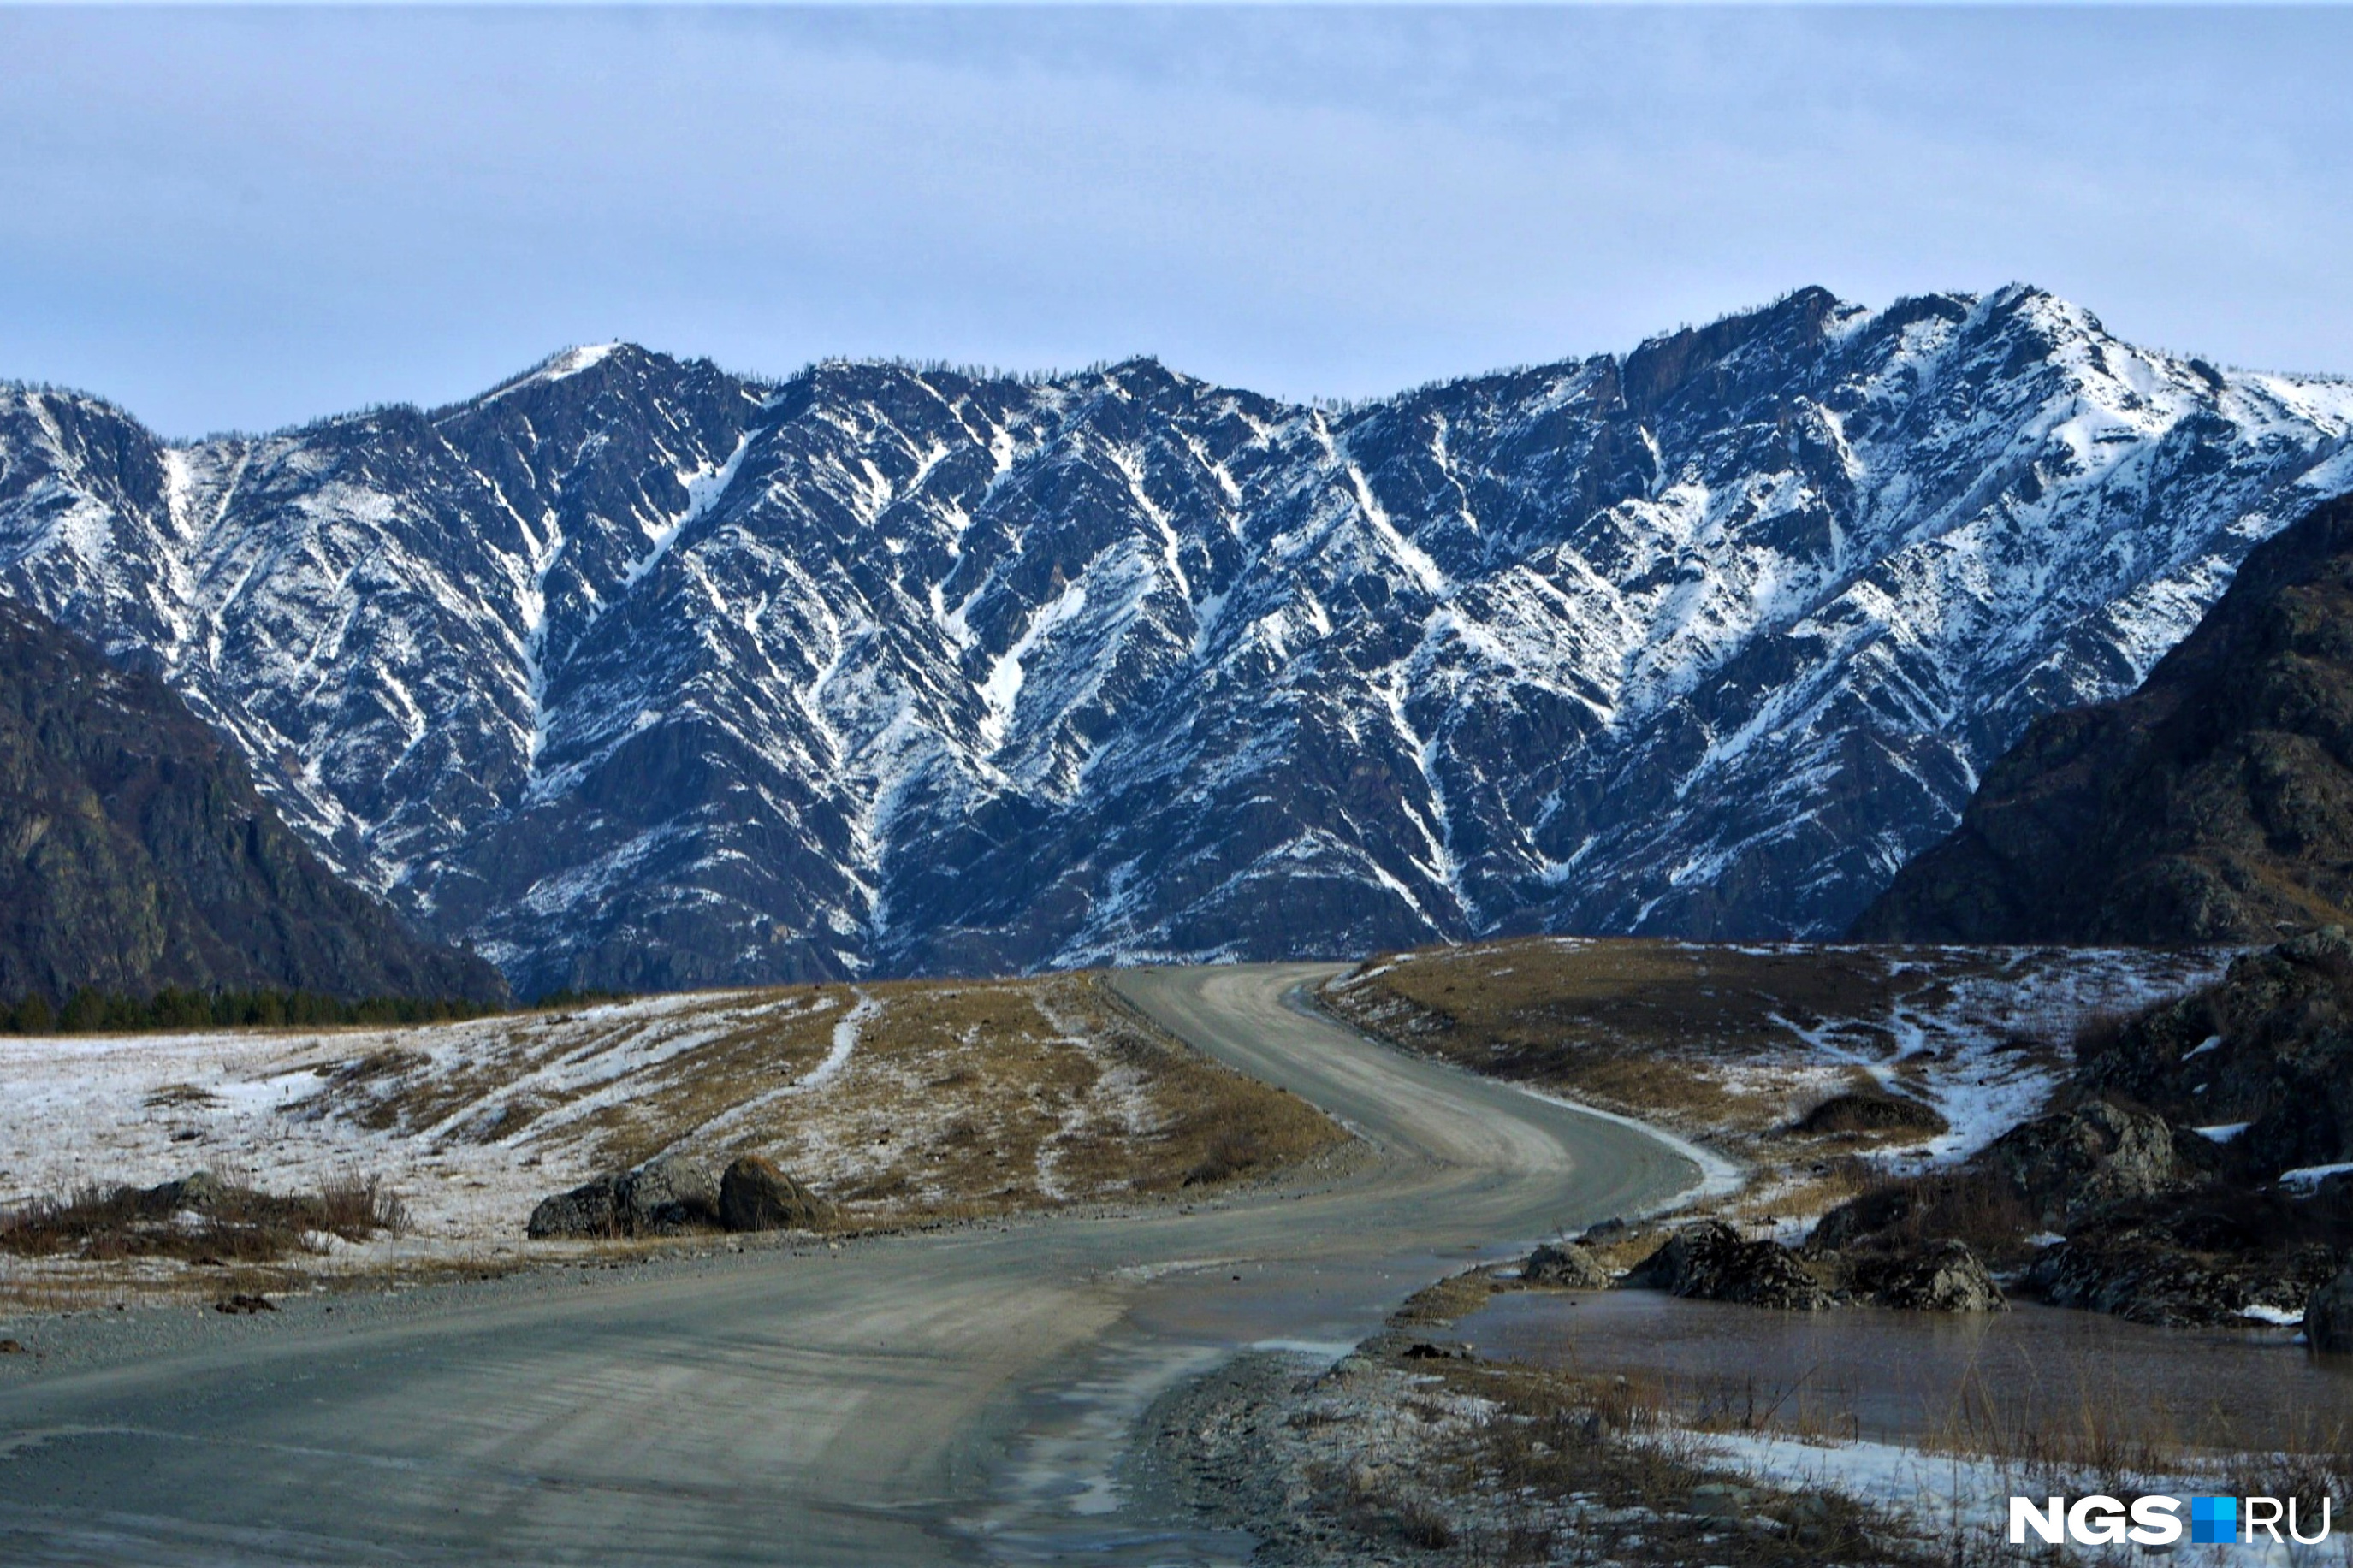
(135, 852)
(633, 671)
(2215, 803)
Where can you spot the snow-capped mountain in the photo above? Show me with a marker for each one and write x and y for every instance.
(634, 671)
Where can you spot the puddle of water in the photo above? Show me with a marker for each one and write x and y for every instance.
(1910, 1375)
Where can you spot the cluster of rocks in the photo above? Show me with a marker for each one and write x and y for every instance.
(1710, 1261)
(2167, 1224)
(674, 1194)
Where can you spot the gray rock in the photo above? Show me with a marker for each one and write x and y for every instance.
(1565, 1264)
(1721, 1501)
(2328, 1316)
(1945, 1277)
(754, 1194)
(1709, 1260)
(661, 1197)
(197, 1190)
(590, 1210)
(2066, 1165)
(669, 1194)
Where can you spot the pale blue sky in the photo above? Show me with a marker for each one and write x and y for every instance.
(249, 217)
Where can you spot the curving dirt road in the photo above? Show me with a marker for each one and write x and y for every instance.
(929, 1398)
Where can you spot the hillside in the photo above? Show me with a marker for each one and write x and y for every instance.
(2215, 803)
(135, 852)
(635, 672)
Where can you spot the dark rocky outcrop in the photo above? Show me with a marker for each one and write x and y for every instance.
(2329, 1315)
(1943, 1277)
(1711, 1261)
(2214, 804)
(2072, 1162)
(754, 1194)
(2271, 1045)
(2144, 1272)
(669, 1194)
(136, 853)
(1566, 1265)
(2162, 1223)
(592, 1210)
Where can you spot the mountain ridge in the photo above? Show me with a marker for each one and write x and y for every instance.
(632, 671)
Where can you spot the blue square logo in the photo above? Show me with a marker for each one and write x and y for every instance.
(2214, 1520)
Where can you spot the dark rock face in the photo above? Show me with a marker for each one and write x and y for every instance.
(2215, 803)
(2328, 1316)
(2146, 1273)
(755, 1195)
(591, 1211)
(136, 853)
(631, 672)
(2164, 1166)
(2068, 1163)
(1709, 1260)
(2270, 1046)
(669, 1194)
(1566, 1265)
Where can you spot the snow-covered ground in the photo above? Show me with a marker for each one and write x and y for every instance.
(274, 1108)
(1952, 1498)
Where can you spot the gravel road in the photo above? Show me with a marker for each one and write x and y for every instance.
(955, 1396)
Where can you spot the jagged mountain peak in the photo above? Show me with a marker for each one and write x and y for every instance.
(637, 671)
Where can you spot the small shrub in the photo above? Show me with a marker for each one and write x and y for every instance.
(1230, 1152)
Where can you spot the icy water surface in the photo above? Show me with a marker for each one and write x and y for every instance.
(1906, 1376)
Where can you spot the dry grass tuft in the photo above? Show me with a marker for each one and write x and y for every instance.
(219, 1222)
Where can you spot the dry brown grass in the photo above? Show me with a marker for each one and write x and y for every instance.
(230, 1222)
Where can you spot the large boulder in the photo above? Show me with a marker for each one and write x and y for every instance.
(669, 1194)
(1710, 1261)
(199, 1190)
(754, 1194)
(2070, 1163)
(590, 1210)
(1944, 1277)
(1566, 1265)
(661, 1197)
